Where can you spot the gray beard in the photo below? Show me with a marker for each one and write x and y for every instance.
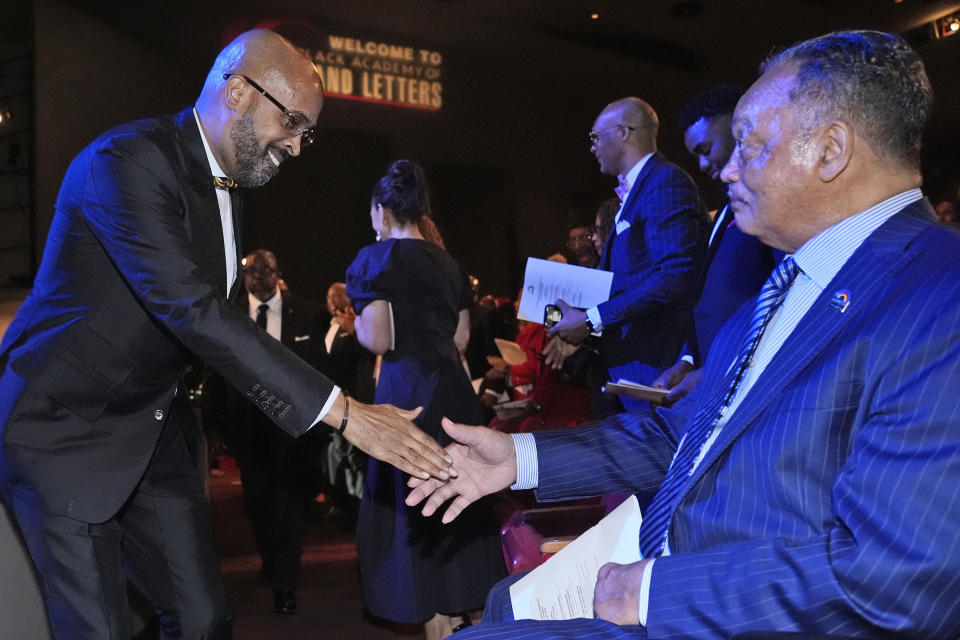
(254, 166)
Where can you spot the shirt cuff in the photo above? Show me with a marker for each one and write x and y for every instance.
(528, 472)
(645, 592)
(593, 313)
(326, 406)
(687, 358)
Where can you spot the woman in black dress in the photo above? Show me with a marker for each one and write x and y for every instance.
(411, 300)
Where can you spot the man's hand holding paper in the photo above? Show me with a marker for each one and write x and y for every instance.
(616, 597)
(545, 281)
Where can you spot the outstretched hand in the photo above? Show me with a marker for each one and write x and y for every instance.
(485, 462)
(387, 433)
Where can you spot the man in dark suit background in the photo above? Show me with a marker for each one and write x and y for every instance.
(280, 473)
(97, 431)
(654, 250)
(817, 488)
(736, 264)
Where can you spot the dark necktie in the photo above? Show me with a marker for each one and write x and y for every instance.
(223, 182)
(262, 316)
(653, 531)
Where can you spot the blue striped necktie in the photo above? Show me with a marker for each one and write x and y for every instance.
(653, 531)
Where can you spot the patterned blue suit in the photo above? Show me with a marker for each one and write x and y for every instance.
(830, 503)
(654, 263)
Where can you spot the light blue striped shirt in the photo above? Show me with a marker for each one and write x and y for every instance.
(820, 259)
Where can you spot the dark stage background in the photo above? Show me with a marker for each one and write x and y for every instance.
(507, 153)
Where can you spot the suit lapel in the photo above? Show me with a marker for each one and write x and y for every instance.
(872, 266)
(637, 185)
(724, 216)
(236, 207)
(203, 214)
(287, 329)
(635, 189)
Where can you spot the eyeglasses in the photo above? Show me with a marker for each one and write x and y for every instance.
(581, 238)
(259, 271)
(293, 122)
(595, 136)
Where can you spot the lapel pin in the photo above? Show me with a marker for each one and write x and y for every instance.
(841, 300)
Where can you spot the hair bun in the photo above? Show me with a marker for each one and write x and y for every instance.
(403, 190)
(404, 172)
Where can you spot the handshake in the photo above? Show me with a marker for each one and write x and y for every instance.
(388, 433)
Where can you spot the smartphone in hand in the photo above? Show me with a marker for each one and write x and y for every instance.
(551, 315)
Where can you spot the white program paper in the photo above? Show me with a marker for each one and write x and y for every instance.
(562, 587)
(544, 281)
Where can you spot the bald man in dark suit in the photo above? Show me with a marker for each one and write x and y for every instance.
(133, 290)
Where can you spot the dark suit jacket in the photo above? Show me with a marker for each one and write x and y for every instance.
(348, 364)
(131, 289)
(654, 264)
(302, 326)
(301, 331)
(829, 502)
(735, 268)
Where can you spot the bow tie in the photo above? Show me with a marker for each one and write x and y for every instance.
(224, 182)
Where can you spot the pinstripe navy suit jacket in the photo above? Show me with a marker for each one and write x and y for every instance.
(654, 262)
(830, 502)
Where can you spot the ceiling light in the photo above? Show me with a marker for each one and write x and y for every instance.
(594, 15)
(948, 25)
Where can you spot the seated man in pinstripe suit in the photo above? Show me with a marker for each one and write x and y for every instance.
(809, 483)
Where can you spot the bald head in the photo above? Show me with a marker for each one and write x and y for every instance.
(250, 134)
(337, 298)
(269, 58)
(624, 132)
(636, 113)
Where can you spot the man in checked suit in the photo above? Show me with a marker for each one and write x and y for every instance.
(654, 250)
(141, 256)
(822, 496)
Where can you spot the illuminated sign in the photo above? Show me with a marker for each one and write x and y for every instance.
(381, 72)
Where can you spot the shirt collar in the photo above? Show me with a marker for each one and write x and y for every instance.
(823, 255)
(215, 169)
(273, 302)
(631, 176)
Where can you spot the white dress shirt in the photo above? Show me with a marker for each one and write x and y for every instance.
(230, 252)
(226, 210)
(274, 311)
(331, 334)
